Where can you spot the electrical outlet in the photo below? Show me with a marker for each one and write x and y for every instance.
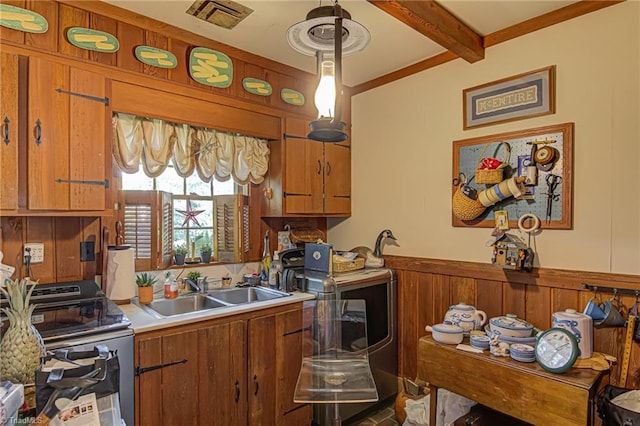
(36, 251)
(87, 251)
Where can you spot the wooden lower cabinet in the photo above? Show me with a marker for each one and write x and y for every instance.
(241, 370)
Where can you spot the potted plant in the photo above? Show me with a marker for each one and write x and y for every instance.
(179, 253)
(205, 253)
(145, 284)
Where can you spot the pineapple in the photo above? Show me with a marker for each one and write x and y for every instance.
(21, 346)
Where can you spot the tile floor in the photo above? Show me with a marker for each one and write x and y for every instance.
(384, 417)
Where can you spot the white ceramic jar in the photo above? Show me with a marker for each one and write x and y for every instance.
(580, 325)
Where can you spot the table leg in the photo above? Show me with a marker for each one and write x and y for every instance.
(433, 404)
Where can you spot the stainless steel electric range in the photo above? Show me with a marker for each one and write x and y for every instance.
(77, 315)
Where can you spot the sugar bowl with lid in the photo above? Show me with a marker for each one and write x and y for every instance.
(466, 317)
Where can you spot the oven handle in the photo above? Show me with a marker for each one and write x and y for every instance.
(142, 370)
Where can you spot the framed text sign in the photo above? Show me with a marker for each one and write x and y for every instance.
(513, 98)
(542, 157)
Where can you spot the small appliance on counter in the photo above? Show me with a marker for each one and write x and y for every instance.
(292, 270)
(11, 399)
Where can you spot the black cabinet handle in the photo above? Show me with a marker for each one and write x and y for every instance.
(237, 391)
(328, 168)
(38, 132)
(6, 130)
(319, 167)
(255, 382)
(141, 370)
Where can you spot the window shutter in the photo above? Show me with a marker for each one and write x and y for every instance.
(148, 230)
(231, 228)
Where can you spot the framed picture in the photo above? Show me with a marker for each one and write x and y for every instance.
(541, 158)
(513, 98)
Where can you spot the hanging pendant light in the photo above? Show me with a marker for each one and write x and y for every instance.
(317, 36)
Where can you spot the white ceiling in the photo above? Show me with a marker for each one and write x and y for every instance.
(393, 44)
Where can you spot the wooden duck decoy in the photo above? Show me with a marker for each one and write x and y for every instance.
(373, 259)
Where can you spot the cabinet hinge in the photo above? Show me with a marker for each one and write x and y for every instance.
(294, 194)
(288, 136)
(104, 100)
(142, 370)
(104, 183)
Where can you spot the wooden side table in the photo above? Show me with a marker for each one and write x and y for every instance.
(522, 390)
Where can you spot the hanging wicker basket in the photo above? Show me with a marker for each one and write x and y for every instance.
(491, 176)
(465, 208)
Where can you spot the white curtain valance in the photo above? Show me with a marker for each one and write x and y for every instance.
(153, 143)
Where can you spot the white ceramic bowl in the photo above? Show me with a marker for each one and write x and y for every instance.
(510, 326)
(446, 333)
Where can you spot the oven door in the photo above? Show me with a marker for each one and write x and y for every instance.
(380, 298)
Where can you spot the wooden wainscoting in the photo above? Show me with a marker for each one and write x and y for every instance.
(427, 287)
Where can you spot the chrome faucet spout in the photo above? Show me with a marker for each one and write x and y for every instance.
(194, 286)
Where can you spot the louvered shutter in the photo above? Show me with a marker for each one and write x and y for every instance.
(147, 221)
(231, 228)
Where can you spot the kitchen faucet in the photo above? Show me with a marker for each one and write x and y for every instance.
(202, 288)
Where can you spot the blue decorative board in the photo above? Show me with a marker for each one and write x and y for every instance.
(465, 160)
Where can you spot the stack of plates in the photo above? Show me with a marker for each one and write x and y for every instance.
(522, 353)
(509, 339)
(479, 341)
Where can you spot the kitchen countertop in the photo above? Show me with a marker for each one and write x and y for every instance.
(142, 321)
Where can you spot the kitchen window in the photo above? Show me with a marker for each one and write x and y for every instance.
(185, 185)
(192, 204)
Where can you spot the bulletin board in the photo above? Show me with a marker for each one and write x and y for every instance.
(535, 200)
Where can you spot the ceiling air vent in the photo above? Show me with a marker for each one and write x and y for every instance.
(223, 13)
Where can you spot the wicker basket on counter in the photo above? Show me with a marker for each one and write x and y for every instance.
(345, 265)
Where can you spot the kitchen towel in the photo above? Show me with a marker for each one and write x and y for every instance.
(120, 274)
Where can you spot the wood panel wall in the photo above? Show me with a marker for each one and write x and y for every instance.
(427, 287)
(61, 237)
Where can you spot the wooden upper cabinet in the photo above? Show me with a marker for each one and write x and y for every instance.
(316, 176)
(9, 78)
(337, 179)
(303, 165)
(66, 138)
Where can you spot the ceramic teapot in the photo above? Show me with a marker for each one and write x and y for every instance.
(465, 316)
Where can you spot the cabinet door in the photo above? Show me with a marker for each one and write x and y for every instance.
(261, 370)
(9, 80)
(337, 184)
(302, 186)
(48, 135)
(87, 135)
(289, 332)
(223, 378)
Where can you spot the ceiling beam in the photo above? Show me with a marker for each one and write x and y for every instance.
(434, 21)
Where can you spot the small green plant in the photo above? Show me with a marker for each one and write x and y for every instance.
(194, 275)
(206, 248)
(180, 249)
(145, 280)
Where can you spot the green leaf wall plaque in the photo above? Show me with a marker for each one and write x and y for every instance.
(210, 67)
(86, 38)
(256, 86)
(156, 57)
(20, 19)
(292, 97)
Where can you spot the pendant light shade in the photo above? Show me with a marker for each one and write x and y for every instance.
(317, 36)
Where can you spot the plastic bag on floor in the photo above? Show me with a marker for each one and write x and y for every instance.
(451, 406)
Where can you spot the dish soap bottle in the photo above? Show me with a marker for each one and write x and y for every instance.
(266, 261)
(170, 286)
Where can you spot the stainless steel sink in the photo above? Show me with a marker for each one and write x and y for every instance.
(239, 296)
(182, 305)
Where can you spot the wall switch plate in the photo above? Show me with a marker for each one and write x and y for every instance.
(35, 250)
(87, 251)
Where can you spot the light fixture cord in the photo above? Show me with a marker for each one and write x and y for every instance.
(337, 36)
